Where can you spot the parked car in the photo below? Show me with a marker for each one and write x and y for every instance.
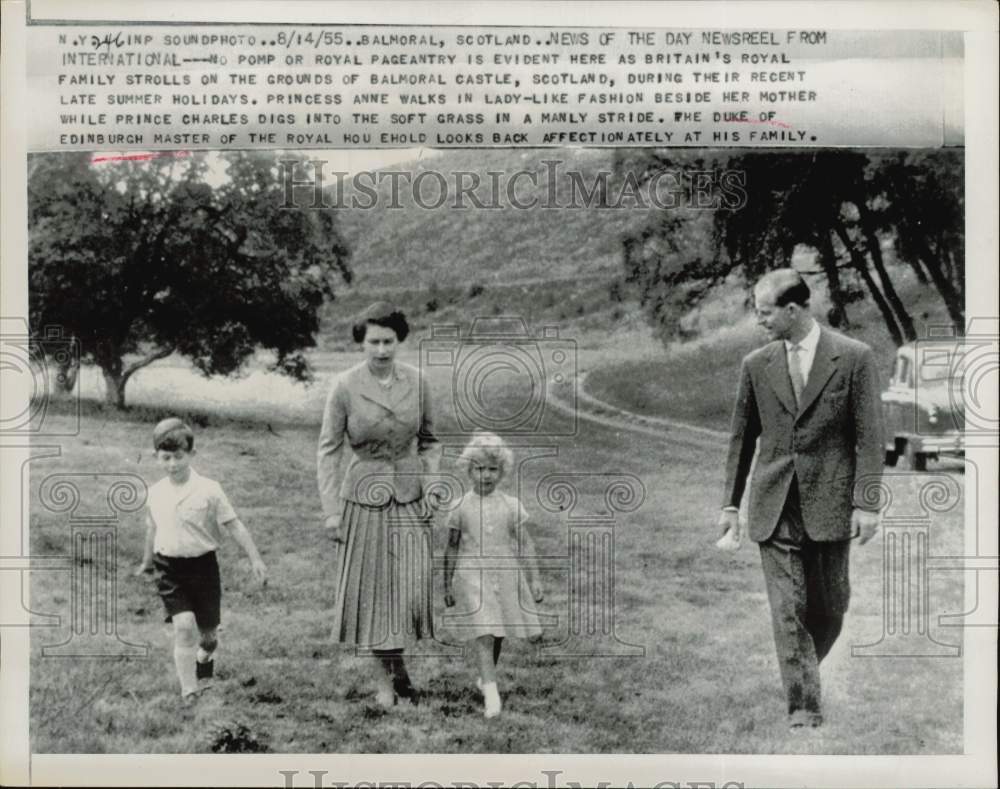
(923, 406)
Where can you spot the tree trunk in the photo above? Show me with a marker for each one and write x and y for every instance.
(861, 265)
(919, 272)
(952, 301)
(828, 259)
(875, 252)
(114, 389)
(116, 376)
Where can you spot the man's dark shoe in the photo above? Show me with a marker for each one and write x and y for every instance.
(803, 719)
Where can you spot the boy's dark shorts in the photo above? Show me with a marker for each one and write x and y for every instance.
(190, 584)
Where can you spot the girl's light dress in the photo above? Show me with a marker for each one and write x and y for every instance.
(492, 596)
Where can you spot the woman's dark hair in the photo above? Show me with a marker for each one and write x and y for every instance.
(383, 314)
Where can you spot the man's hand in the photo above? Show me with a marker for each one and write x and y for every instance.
(729, 520)
(449, 599)
(537, 593)
(332, 525)
(864, 525)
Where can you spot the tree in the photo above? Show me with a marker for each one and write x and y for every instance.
(844, 205)
(139, 259)
(922, 202)
(817, 200)
(669, 255)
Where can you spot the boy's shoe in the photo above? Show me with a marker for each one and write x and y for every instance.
(205, 670)
(190, 699)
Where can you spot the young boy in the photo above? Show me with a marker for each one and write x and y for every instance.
(186, 515)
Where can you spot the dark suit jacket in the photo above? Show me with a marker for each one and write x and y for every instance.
(832, 444)
(391, 433)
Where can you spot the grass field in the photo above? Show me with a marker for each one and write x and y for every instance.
(707, 683)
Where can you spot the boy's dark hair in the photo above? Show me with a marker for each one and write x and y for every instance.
(383, 314)
(172, 435)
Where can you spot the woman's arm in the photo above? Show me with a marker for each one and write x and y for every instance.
(428, 446)
(527, 557)
(450, 559)
(330, 453)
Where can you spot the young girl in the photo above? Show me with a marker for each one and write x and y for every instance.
(493, 585)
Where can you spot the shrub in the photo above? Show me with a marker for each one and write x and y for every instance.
(235, 737)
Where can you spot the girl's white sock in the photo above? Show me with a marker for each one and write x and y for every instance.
(184, 658)
(492, 698)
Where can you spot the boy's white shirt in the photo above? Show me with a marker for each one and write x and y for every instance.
(187, 517)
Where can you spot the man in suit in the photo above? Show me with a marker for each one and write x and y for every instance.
(811, 398)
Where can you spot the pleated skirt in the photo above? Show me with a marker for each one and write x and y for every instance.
(384, 576)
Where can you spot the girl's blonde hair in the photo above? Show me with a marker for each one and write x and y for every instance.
(486, 447)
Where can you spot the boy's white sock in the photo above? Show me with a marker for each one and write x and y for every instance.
(492, 698)
(203, 656)
(184, 658)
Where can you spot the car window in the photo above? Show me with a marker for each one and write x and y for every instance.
(939, 366)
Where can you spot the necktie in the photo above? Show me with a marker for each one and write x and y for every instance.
(795, 372)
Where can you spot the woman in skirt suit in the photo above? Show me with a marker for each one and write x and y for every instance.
(375, 506)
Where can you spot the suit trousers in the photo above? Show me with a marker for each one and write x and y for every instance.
(808, 589)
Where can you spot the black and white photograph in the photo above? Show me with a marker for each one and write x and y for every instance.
(359, 401)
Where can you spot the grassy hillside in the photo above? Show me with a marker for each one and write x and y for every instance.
(550, 265)
(695, 381)
(413, 247)
(450, 266)
(559, 266)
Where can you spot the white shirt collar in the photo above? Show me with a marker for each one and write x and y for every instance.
(807, 343)
(185, 489)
